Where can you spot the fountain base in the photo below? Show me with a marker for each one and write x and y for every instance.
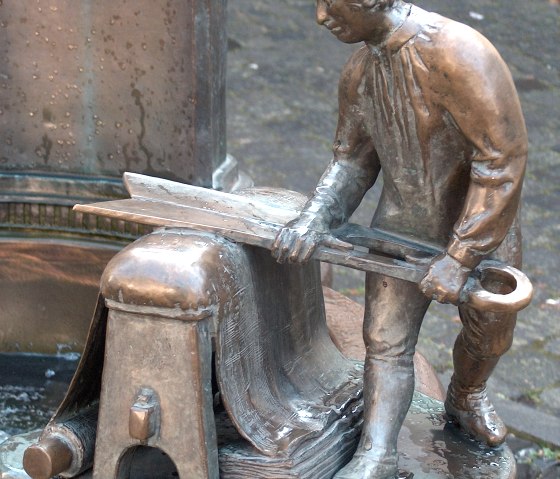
(430, 448)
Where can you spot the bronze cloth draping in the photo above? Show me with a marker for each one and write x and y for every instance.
(281, 378)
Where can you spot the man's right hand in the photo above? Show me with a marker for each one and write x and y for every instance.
(299, 239)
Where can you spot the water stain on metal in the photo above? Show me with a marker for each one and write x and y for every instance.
(137, 95)
(44, 149)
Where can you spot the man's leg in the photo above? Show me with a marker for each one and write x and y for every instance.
(484, 338)
(393, 316)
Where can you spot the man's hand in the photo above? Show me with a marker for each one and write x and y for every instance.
(298, 240)
(445, 279)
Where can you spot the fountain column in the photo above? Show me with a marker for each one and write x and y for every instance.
(88, 90)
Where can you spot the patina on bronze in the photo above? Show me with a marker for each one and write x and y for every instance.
(299, 422)
(429, 103)
(171, 296)
(159, 202)
(425, 116)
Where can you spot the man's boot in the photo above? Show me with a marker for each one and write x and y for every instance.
(467, 403)
(474, 413)
(384, 381)
(392, 320)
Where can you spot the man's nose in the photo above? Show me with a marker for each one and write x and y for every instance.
(321, 13)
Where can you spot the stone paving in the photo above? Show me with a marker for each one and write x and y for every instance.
(282, 80)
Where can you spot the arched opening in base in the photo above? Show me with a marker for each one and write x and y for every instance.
(143, 462)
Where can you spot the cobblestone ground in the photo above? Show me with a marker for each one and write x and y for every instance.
(282, 78)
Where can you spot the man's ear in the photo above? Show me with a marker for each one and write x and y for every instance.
(377, 4)
(369, 3)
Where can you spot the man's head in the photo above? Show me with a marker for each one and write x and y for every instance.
(353, 21)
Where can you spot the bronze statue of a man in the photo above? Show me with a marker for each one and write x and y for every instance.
(430, 104)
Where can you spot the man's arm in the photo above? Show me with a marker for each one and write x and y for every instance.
(480, 97)
(351, 173)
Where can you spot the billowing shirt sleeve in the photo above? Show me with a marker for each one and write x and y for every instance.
(478, 92)
(355, 164)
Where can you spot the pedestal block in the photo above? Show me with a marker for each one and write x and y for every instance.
(286, 391)
(157, 388)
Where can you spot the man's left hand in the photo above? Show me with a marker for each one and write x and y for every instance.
(445, 279)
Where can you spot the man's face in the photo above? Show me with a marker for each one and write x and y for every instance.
(348, 20)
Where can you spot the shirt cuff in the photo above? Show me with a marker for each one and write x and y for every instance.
(468, 257)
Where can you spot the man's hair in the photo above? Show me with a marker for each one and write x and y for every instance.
(378, 4)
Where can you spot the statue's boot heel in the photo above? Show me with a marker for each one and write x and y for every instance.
(474, 414)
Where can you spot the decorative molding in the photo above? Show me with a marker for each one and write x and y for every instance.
(29, 187)
(42, 205)
(60, 219)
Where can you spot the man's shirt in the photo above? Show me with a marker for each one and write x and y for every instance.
(436, 110)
